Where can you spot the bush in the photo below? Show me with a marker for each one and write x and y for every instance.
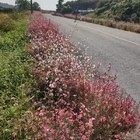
(110, 23)
(6, 10)
(18, 15)
(6, 23)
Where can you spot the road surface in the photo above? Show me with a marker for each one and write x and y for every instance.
(107, 45)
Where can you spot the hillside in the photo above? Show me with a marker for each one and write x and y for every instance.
(119, 10)
(5, 5)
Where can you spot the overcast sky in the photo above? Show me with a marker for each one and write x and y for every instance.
(44, 4)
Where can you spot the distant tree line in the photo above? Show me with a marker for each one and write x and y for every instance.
(6, 10)
(73, 6)
(120, 10)
(26, 5)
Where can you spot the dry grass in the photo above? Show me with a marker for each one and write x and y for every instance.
(127, 26)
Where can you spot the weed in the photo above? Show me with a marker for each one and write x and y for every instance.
(15, 78)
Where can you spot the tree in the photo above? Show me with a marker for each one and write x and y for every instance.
(59, 6)
(22, 4)
(67, 9)
(26, 5)
(36, 6)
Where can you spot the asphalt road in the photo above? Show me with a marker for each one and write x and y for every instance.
(107, 45)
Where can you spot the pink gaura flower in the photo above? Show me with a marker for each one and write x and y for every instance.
(14, 134)
(52, 85)
(117, 136)
(13, 98)
(102, 119)
(90, 122)
(84, 137)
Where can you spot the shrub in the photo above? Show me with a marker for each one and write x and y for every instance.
(6, 10)
(69, 16)
(110, 23)
(6, 23)
(17, 15)
(137, 28)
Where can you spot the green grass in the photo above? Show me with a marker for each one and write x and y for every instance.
(15, 78)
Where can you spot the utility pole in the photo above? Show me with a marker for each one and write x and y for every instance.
(77, 9)
(31, 7)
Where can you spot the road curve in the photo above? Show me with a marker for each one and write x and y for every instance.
(107, 45)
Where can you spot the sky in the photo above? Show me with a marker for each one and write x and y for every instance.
(44, 4)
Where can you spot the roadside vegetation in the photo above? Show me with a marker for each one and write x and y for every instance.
(47, 92)
(127, 26)
(121, 14)
(118, 10)
(15, 78)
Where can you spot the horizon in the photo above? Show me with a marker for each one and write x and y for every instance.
(50, 5)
